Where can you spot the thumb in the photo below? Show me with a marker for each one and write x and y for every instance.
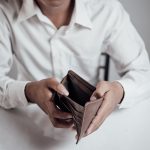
(55, 85)
(101, 89)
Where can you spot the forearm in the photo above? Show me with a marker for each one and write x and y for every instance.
(12, 93)
(136, 86)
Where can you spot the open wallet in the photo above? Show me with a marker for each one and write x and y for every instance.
(78, 102)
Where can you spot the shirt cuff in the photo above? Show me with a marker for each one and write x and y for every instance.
(16, 96)
(127, 100)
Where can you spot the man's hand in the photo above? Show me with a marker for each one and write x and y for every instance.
(112, 94)
(39, 92)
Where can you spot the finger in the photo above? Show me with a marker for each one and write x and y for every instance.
(58, 123)
(57, 113)
(108, 105)
(102, 113)
(101, 89)
(62, 115)
(54, 84)
(58, 118)
(62, 90)
(54, 112)
(96, 123)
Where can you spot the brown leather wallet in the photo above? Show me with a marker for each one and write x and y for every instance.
(78, 102)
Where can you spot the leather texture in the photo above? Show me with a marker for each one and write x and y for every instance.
(78, 102)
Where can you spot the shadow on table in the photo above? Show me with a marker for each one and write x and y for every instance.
(20, 125)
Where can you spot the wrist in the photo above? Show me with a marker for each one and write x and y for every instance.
(120, 90)
(27, 92)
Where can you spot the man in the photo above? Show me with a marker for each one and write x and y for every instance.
(49, 37)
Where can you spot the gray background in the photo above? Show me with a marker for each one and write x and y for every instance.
(139, 11)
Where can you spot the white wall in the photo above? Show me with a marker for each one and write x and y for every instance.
(139, 11)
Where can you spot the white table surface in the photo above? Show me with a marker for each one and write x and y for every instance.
(30, 129)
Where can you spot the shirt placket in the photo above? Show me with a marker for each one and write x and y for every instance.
(55, 56)
(53, 52)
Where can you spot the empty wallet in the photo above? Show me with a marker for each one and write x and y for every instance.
(78, 102)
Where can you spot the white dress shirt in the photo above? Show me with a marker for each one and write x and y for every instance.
(42, 51)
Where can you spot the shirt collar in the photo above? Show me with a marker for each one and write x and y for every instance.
(28, 10)
(80, 14)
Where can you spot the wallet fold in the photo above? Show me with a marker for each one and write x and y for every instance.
(78, 102)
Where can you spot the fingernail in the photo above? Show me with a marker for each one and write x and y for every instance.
(69, 117)
(88, 132)
(93, 98)
(65, 92)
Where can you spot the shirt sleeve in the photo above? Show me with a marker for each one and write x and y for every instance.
(128, 52)
(11, 91)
